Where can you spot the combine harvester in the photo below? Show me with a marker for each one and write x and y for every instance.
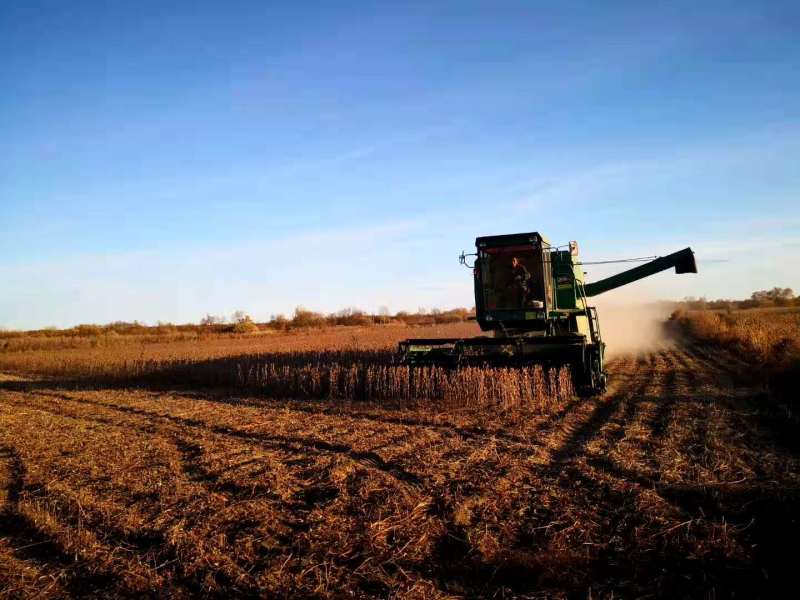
(535, 301)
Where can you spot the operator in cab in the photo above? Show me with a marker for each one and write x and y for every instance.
(520, 280)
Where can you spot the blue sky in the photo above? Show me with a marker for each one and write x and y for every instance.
(159, 161)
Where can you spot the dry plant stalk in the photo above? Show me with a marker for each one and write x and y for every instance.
(469, 387)
(671, 485)
(297, 367)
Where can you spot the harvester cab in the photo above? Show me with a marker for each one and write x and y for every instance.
(533, 300)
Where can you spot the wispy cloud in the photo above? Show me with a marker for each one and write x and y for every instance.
(700, 159)
(323, 269)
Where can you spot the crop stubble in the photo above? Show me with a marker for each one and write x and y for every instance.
(669, 484)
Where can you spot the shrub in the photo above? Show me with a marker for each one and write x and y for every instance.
(245, 325)
(278, 323)
(88, 330)
(306, 318)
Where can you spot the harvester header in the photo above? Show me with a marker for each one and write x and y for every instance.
(533, 298)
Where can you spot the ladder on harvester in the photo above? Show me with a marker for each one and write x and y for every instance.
(594, 324)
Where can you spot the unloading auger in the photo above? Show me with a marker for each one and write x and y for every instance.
(534, 300)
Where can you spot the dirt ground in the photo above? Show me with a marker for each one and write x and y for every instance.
(679, 482)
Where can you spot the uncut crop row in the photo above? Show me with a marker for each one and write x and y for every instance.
(361, 375)
(530, 387)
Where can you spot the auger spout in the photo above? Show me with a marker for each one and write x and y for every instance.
(683, 261)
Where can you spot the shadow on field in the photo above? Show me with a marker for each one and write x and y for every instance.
(30, 542)
(409, 413)
(227, 371)
(641, 521)
(290, 444)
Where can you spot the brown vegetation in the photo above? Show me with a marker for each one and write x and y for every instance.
(210, 326)
(375, 480)
(366, 373)
(769, 338)
(776, 297)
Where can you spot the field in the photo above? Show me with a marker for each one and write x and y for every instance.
(768, 337)
(251, 466)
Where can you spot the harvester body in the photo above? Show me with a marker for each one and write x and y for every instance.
(533, 299)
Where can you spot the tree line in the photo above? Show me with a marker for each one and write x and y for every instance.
(241, 322)
(776, 297)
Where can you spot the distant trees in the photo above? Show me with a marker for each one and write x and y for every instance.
(777, 296)
(278, 322)
(245, 326)
(383, 315)
(240, 316)
(241, 322)
(210, 319)
(304, 318)
(350, 316)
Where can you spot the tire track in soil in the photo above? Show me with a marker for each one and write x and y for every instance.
(457, 555)
(178, 430)
(657, 406)
(631, 378)
(619, 493)
(62, 562)
(312, 492)
(629, 410)
(468, 440)
(644, 404)
(152, 546)
(675, 389)
(22, 553)
(291, 445)
(58, 569)
(288, 516)
(306, 475)
(655, 400)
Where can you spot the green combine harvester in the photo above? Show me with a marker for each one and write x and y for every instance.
(534, 300)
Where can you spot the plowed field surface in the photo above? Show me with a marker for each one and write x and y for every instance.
(676, 483)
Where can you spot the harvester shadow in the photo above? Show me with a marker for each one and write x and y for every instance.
(459, 563)
(604, 409)
(763, 511)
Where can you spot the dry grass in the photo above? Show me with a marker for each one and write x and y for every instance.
(671, 485)
(767, 338)
(764, 333)
(364, 367)
(115, 352)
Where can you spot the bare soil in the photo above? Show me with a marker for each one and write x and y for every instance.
(679, 482)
